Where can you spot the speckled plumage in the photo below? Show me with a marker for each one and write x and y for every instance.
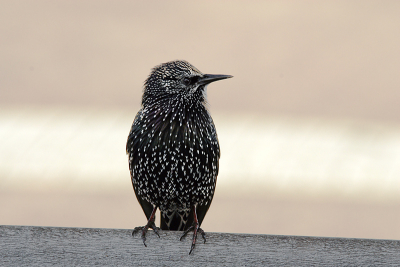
(173, 148)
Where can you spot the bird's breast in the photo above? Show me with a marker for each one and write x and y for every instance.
(173, 157)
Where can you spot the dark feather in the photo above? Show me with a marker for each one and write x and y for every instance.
(173, 146)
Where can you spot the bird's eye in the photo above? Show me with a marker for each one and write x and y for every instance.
(194, 79)
(190, 81)
(186, 81)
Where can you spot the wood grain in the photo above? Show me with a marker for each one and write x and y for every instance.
(49, 246)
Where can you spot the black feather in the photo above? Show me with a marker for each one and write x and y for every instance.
(173, 146)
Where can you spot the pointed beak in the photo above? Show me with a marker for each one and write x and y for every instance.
(209, 78)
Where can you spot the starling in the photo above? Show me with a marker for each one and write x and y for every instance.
(173, 149)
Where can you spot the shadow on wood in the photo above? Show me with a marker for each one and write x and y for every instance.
(43, 246)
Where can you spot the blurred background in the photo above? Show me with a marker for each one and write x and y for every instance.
(309, 126)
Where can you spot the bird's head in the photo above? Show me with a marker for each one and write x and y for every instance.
(179, 81)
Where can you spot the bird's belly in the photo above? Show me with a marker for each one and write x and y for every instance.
(177, 177)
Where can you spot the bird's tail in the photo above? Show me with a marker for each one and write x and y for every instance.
(175, 220)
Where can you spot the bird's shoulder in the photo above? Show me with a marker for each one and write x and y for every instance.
(136, 128)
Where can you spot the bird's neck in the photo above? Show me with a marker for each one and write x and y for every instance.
(177, 110)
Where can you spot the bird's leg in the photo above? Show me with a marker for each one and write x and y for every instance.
(195, 227)
(150, 224)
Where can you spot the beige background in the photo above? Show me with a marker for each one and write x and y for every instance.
(329, 67)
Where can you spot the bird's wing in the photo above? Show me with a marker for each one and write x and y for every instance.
(132, 145)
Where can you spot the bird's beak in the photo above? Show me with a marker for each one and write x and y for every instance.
(209, 78)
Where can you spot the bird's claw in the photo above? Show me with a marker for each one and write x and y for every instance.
(156, 229)
(144, 229)
(196, 229)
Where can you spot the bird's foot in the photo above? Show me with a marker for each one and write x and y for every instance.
(144, 229)
(196, 229)
(150, 224)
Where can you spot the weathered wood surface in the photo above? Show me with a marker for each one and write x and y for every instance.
(56, 246)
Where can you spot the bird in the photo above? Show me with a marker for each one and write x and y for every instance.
(173, 149)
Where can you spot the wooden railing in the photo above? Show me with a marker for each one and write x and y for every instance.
(58, 246)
